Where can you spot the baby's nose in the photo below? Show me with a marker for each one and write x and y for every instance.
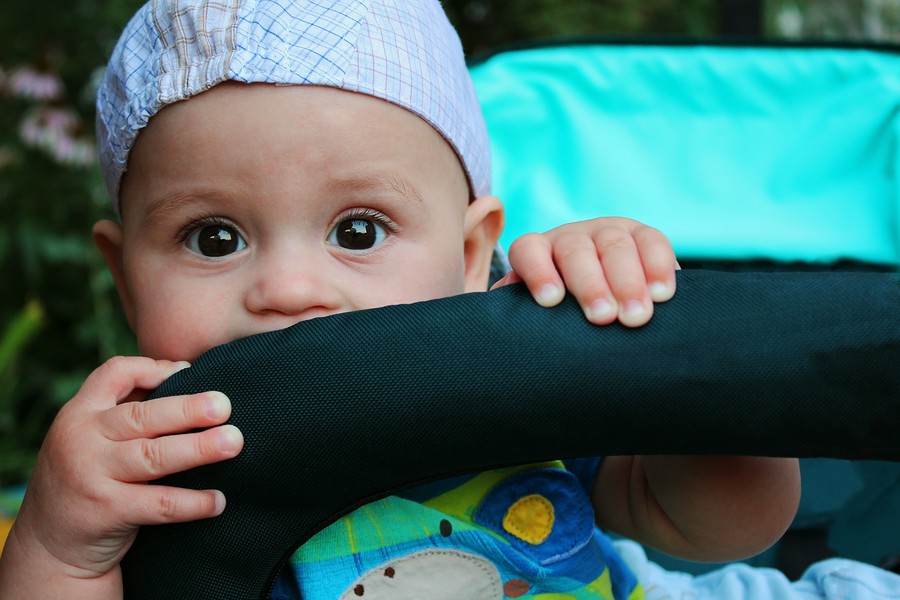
(294, 291)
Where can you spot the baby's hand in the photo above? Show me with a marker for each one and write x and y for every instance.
(86, 497)
(615, 268)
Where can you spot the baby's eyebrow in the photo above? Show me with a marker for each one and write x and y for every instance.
(378, 182)
(168, 204)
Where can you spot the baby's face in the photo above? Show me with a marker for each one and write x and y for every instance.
(249, 208)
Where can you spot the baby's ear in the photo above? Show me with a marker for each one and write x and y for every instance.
(108, 239)
(483, 226)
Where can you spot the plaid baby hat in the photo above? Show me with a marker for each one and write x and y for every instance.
(402, 51)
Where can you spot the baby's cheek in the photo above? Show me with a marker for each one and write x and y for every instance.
(439, 278)
(179, 335)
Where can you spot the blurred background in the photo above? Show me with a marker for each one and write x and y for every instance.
(59, 316)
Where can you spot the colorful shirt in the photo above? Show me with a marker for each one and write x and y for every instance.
(521, 532)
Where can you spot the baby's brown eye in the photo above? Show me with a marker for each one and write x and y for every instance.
(215, 241)
(357, 234)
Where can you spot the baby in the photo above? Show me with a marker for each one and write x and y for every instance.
(275, 162)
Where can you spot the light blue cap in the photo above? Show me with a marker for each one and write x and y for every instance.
(402, 51)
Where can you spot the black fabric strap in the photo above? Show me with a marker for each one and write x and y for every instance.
(342, 410)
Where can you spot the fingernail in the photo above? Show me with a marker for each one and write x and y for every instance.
(220, 502)
(659, 291)
(218, 406)
(601, 310)
(549, 295)
(230, 438)
(633, 308)
(181, 365)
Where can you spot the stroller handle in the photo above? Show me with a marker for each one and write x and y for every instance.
(342, 410)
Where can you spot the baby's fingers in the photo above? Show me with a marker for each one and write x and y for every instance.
(159, 504)
(161, 416)
(622, 265)
(149, 459)
(576, 257)
(531, 257)
(116, 379)
(659, 262)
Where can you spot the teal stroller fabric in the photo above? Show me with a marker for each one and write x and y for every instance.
(341, 410)
(735, 152)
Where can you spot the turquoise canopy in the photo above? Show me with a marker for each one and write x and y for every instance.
(786, 153)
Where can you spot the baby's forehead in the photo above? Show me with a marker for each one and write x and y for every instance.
(404, 52)
(298, 138)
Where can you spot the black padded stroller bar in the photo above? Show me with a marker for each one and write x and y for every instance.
(342, 410)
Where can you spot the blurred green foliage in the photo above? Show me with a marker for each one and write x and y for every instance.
(59, 316)
(50, 195)
(16, 434)
(484, 25)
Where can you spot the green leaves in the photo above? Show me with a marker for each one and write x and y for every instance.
(15, 455)
(23, 326)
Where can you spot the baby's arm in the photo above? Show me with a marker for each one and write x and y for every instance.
(615, 268)
(87, 497)
(706, 508)
(703, 508)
